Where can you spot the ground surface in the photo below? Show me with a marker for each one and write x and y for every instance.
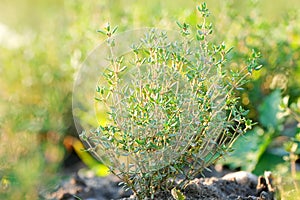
(232, 186)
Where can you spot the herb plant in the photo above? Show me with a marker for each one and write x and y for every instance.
(172, 106)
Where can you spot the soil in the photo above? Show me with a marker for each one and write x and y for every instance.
(232, 186)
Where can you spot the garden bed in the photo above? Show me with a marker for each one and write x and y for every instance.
(231, 186)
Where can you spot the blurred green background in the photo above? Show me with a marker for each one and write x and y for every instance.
(42, 44)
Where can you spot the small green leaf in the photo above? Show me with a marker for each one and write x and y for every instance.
(258, 67)
(199, 8)
(108, 27)
(200, 37)
(123, 69)
(102, 32)
(229, 50)
(114, 30)
(140, 142)
(245, 112)
(179, 24)
(200, 32)
(177, 194)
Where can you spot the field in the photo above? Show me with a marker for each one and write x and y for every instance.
(42, 46)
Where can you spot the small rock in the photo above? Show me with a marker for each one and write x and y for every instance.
(242, 177)
(264, 196)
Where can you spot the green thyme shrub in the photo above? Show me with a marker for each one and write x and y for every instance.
(172, 107)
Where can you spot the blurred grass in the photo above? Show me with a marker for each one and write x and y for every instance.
(42, 44)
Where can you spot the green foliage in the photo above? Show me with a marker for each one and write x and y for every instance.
(250, 147)
(273, 94)
(42, 44)
(269, 110)
(172, 107)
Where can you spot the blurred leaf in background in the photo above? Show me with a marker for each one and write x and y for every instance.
(269, 109)
(274, 90)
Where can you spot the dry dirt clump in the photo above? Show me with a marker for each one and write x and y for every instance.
(233, 186)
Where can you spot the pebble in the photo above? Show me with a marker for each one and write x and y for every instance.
(242, 177)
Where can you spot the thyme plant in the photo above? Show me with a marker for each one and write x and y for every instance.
(172, 107)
